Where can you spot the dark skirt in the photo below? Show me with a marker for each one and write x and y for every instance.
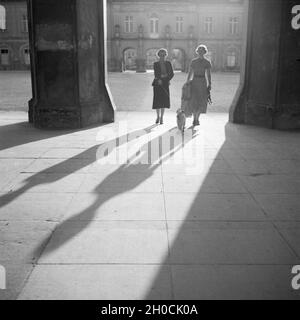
(161, 96)
(199, 95)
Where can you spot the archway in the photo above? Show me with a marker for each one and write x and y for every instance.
(178, 57)
(151, 57)
(129, 59)
(232, 59)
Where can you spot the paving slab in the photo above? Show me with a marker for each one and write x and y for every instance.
(122, 182)
(23, 241)
(16, 275)
(227, 243)
(210, 183)
(14, 165)
(43, 182)
(233, 282)
(6, 178)
(291, 233)
(58, 166)
(206, 166)
(115, 206)
(98, 282)
(34, 206)
(107, 242)
(218, 207)
(280, 206)
(271, 184)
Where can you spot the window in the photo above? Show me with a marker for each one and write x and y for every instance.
(179, 24)
(4, 57)
(231, 59)
(154, 25)
(2, 18)
(26, 56)
(128, 24)
(233, 25)
(208, 23)
(24, 23)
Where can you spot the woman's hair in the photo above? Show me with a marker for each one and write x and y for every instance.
(202, 46)
(161, 50)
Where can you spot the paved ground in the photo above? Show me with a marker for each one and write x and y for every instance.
(131, 91)
(76, 223)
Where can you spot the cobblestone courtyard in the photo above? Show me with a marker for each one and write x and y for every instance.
(131, 91)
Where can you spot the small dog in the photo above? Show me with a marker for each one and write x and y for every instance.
(181, 120)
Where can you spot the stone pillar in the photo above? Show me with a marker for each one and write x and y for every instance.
(269, 95)
(68, 64)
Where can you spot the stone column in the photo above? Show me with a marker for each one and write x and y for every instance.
(68, 64)
(269, 95)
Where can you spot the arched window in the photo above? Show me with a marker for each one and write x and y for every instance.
(2, 18)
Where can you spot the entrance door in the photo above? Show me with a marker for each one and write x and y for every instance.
(130, 59)
(4, 55)
(177, 59)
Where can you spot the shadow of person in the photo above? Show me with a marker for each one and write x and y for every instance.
(140, 167)
(58, 171)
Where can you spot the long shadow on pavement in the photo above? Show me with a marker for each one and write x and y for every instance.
(128, 177)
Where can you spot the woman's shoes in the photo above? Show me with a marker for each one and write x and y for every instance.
(196, 123)
(159, 120)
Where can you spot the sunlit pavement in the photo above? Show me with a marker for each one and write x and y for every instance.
(215, 214)
(131, 91)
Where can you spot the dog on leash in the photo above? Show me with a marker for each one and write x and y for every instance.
(181, 120)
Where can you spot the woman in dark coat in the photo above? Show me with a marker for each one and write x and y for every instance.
(163, 73)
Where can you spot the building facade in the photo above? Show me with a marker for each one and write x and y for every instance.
(136, 29)
(14, 47)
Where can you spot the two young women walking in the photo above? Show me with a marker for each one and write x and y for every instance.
(199, 78)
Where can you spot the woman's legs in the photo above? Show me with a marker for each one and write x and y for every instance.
(157, 113)
(196, 116)
(162, 115)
